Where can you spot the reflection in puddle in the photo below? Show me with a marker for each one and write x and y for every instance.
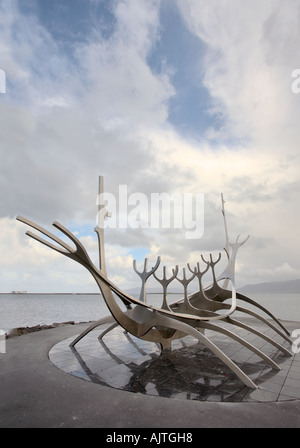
(188, 371)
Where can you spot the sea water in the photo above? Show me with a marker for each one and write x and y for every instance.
(27, 310)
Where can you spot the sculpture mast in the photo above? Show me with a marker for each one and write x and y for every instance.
(231, 251)
(225, 225)
(99, 229)
(227, 250)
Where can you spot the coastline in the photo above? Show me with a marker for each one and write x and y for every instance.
(19, 331)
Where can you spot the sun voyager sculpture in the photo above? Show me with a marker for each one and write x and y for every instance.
(202, 310)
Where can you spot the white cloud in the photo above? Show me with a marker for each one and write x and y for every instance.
(96, 110)
(121, 91)
(251, 51)
(66, 118)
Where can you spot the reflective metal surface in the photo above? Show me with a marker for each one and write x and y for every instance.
(188, 371)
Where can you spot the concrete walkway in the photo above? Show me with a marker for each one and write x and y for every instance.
(34, 393)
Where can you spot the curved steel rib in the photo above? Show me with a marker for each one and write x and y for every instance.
(218, 294)
(144, 275)
(164, 281)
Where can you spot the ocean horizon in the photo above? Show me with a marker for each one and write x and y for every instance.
(31, 309)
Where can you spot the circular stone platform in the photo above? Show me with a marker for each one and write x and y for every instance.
(188, 371)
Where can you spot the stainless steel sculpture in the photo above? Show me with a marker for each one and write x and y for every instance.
(191, 315)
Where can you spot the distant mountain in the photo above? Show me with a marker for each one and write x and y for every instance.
(290, 286)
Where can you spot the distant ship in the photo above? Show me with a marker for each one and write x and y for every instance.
(19, 292)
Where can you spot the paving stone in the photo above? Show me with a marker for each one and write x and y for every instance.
(188, 371)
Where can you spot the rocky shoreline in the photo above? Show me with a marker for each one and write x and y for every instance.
(25, 330)
(19, 331)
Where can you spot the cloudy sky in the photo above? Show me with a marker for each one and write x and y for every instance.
(163, 96)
